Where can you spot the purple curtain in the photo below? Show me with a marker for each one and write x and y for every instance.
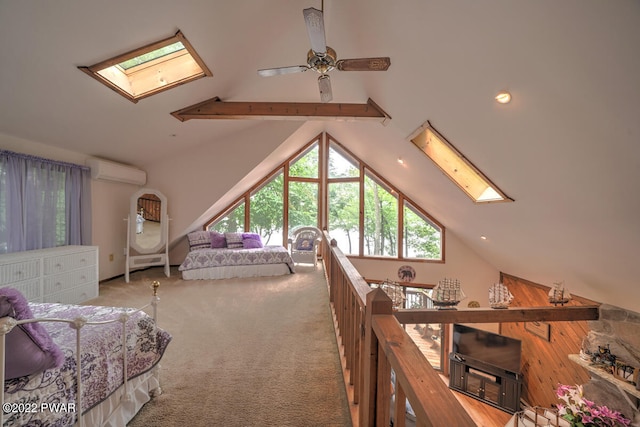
(43, 203)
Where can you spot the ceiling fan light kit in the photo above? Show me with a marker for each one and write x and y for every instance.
(323, 59)
(322, 62)
(324, 84)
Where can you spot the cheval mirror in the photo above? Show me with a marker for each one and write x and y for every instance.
(147, 231)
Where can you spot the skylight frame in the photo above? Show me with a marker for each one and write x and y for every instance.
(165, 66)
(471, 180)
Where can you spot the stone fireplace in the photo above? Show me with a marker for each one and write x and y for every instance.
(620, 330)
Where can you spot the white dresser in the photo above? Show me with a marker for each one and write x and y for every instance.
(66, 274)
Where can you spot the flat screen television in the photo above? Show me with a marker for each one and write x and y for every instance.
(497, 350)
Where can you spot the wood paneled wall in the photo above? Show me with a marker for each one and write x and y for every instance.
(150, 206)
(545, 363)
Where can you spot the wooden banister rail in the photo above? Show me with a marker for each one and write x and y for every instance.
(347, 295)
(512, 314)
(430, 398)
(372, 344)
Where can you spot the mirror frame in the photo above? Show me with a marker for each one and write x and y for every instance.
(133, 211)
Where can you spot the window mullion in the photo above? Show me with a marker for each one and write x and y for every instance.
(400, 225)
(247, 210)
(285, 207)
(361, 213)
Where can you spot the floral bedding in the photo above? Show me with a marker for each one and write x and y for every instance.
(205, 258)
(101, 356)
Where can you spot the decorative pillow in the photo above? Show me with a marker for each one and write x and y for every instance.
(29, 347)
(217, 240)
(251, 241)
(234, 240)
(304, 244)
(199, 240)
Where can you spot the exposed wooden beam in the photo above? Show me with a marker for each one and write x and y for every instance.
(215, 108)
(487, 315)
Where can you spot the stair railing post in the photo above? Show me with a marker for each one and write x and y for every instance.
(377, 303)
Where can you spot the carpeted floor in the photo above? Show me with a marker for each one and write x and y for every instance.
(245, 352)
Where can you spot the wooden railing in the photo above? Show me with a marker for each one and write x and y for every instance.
(373, 344)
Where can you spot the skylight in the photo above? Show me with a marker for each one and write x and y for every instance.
(150, 69)
(457, 167)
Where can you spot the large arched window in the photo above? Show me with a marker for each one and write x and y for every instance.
(325, 185)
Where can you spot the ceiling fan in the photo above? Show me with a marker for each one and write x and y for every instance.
(322, 59)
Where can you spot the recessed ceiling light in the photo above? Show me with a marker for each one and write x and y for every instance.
(503, 97)
(400, 160)
(483, 237)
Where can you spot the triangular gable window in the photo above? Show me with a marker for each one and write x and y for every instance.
(325, 185)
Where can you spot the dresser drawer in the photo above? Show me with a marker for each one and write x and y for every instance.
(73, 296)
(62, 263)
(66, 274)
(19, 271)
(29, 288)
(73, 279)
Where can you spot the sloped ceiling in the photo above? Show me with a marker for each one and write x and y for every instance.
(566, 148)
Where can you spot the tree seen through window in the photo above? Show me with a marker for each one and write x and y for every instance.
(380, 219)
(266, 213)
(362, 212)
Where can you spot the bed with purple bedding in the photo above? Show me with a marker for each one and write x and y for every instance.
(206, 258)
(215, 255)
(48, 398)
(224, 263)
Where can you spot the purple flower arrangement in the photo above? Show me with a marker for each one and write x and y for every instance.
(581, 412)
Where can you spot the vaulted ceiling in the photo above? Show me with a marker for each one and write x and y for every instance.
(566, 148)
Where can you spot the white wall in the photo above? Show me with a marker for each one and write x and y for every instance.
(474, 273)
(11, 143)
(197, 182)
(110, 201)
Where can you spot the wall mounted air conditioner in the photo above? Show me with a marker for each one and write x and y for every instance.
(105, 170)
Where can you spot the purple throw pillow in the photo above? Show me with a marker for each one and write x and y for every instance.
(304, 244)
(251, 241)
(29, 347)
(218, 240)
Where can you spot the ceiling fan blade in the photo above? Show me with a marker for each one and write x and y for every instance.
(315, 28)
(268, 72)
(324, 84)
(364, 64)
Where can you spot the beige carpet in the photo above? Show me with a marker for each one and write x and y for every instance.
(245, 352)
